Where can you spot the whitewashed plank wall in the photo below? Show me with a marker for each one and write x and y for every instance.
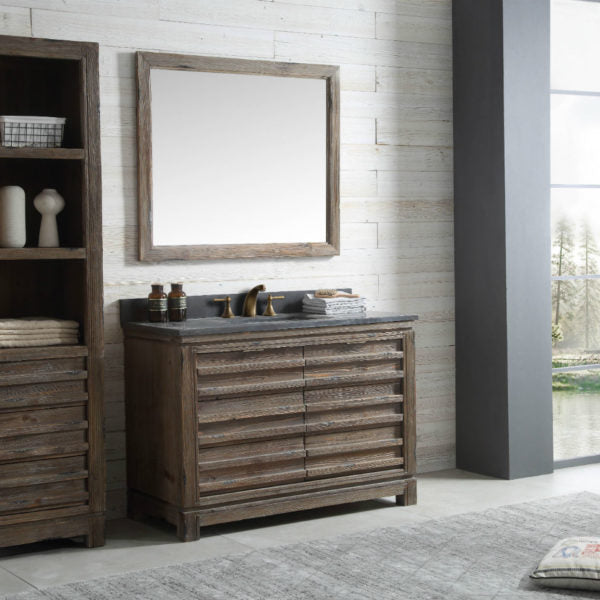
(396, 178)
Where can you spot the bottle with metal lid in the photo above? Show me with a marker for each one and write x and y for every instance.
(177, 302)
(157, 304)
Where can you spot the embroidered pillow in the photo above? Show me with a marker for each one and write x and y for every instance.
(573, 563)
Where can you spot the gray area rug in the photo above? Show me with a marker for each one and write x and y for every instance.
(484, 555)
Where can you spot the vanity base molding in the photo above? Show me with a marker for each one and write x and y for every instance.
(223, 428)
(188, 521)
(61, 523)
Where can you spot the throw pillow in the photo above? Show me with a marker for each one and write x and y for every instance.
(573, 563)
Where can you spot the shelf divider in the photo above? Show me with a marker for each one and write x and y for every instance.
(51, 153)
(42, 253)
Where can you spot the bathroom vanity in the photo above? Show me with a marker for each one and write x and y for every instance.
(229, 419)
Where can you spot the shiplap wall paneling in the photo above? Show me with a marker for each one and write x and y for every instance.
(396, 178)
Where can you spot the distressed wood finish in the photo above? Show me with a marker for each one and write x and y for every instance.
(41, 253)
(222, 428)
(43, 153)
(52, 478)
(147, 250)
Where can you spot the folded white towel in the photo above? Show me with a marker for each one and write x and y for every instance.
(329, 311)
(333, 306)
(26, 333)
(310, 299)
(38, 335)
(37, 323)
(30, 342)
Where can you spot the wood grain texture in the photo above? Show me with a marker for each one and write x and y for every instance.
(123, 8)
(274, 412)
(15, 20)
(154, 34)
(342, 50)
(414, 133)
(418, 8)
(269, 15)
(148, 251)
(391, 26)
(415, 82)
(43, 153)
(42, 253)
(51, 399)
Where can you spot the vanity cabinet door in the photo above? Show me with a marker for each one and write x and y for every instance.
(251, 424)
(354, 408)
(309, 419)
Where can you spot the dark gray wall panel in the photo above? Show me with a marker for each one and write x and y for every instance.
(481, 369)
(527, 201)
(504, 418)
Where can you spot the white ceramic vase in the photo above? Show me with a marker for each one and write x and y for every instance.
(12, 217)
(48, 203)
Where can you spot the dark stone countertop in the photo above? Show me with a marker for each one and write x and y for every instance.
(203, 316)
(217, 325)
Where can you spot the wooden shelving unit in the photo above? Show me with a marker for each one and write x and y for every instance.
(51, 437)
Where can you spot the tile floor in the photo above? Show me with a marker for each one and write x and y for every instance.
(132, 546)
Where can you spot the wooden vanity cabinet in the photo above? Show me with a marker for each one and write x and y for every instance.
(229, 427)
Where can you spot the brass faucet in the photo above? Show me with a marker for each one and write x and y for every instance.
(249, 308)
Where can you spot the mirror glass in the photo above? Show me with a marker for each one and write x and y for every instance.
(236, 158)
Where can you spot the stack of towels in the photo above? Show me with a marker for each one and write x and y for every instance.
(333, 306)
(37, 331)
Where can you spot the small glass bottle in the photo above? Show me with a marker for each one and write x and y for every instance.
(157, 304)
(177, 303)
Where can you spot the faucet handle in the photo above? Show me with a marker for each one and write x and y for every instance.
(270, 311)
(227, 312)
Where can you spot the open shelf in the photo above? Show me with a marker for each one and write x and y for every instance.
(67, 177)
(44, 288)
(52, 153)
(41, 253)
(45, 87)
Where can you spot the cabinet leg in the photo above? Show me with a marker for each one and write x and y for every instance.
(133, 513)
(410, 494)
(188, 527)
(95, 537)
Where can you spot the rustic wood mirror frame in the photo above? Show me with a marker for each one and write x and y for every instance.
(148, 251)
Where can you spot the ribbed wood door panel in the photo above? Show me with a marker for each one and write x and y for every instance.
(43, 434)
(50, 495)
(250, 420)
(36, 422)
(34, 472)
(42, 371)
(278, 417)
(15, 397)
(354, 428)
(250, 465)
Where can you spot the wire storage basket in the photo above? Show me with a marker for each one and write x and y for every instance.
(31, 132)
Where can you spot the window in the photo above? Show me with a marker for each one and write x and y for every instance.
(575, 198)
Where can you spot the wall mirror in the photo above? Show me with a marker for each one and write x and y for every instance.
(236, 158)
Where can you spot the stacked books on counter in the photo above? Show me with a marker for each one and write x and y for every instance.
(333, 306)
(37, 331)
